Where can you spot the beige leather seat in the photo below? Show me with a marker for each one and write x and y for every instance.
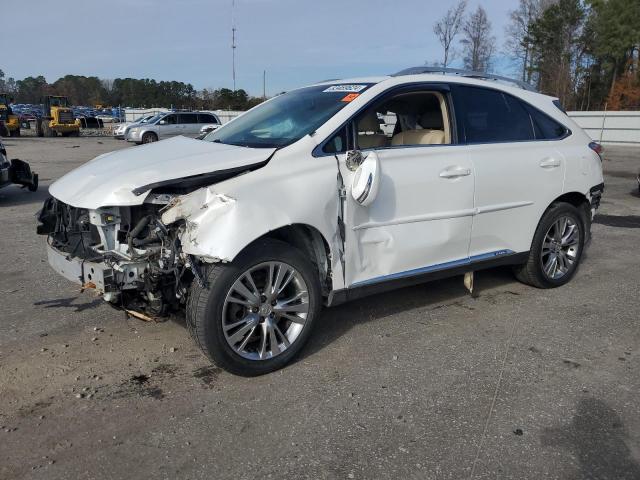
(369, 133)
(419, 137)
(431, 133)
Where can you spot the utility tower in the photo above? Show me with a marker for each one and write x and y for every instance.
(233, 42)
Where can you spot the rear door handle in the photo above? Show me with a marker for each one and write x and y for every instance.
(455, 171)
(550, 163)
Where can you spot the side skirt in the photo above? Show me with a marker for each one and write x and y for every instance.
(337, 297)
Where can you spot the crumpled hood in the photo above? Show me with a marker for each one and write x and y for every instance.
(109, 180)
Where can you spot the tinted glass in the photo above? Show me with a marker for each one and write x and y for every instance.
(206, 118)
(187, 118)
(546, 128)
(170, 119)
(491, 116)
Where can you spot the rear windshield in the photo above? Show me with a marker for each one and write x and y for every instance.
(287, 118)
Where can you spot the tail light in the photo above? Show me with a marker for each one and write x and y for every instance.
(596, 147)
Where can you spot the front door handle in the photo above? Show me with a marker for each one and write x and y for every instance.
(550, 163)
(455, 171)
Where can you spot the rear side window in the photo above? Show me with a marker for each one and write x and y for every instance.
(545, 127)
(491, 116)
(206, 118)
(188, 118)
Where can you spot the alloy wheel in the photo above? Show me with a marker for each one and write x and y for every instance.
(265, 310)
(560, 247)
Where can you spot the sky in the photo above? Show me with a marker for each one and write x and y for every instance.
(297, 42)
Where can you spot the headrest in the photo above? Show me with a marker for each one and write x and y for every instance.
(369, 123)
(432, 120)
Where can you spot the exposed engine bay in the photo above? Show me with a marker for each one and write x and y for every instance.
(126, 253)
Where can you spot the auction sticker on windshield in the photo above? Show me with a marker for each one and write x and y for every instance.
(345, 88)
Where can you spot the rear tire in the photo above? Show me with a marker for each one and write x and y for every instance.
(556, 249)
(238, 335)
(149, 137)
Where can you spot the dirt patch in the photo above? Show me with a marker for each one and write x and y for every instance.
(207, 375)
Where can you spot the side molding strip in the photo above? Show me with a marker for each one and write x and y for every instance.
(444, 215)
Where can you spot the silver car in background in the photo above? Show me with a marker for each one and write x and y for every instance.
(120, 132)
(171, 124)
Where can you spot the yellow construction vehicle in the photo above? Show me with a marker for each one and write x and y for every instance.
(57, 118)
(9, 123)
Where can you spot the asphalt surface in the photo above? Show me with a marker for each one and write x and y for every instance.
(424, 382)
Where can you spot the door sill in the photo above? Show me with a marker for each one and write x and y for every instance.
(423, 275)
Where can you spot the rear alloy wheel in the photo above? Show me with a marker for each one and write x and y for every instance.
(257, 312)
(560, 248)
(556, 249)
(149, 137)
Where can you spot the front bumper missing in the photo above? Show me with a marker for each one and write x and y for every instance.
(88, 274)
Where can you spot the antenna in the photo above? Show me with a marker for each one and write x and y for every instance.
(233, 41)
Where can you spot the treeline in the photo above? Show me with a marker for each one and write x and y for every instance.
(586, 52)
(129, 92)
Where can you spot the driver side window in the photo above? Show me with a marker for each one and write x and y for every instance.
(405, 119)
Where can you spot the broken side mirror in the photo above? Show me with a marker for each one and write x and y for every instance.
(366, 180)
(353, 159)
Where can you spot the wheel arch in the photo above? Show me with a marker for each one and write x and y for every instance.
(311, 242)
(578, 200)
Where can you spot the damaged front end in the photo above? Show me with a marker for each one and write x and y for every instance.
(126, 253)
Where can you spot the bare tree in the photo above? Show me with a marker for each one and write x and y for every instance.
(519, 42)
(448, 27)
(478, 42)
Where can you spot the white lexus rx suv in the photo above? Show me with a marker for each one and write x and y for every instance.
(325, 194)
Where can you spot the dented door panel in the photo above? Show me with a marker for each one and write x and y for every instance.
(418, 219)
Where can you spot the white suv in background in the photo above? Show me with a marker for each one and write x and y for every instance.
(170, 124)
(307, 201)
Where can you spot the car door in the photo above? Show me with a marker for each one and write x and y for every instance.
(168, 126)
(188, 124)
(517, 172)
(420, 220)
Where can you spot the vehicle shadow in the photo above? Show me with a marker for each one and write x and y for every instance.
(337, 321)
(597, 438)
(13, 196)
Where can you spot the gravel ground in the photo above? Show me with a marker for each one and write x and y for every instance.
(424, 382)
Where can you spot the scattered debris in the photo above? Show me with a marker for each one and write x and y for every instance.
(140, 316)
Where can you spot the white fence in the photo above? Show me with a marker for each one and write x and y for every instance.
(610, 128)
(131, 114)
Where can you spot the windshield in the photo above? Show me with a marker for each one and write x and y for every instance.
(58, 102)
(288, 117)
(155, 118)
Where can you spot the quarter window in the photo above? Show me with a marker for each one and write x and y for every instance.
(491, 116)
(204, 118)
(545, 127)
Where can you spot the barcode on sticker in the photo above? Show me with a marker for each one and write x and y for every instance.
(345, 88)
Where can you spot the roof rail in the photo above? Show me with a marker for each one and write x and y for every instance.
(464, 73)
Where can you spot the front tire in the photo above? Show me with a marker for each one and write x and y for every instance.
(556, 249)
(256, 313)
(149, 137)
